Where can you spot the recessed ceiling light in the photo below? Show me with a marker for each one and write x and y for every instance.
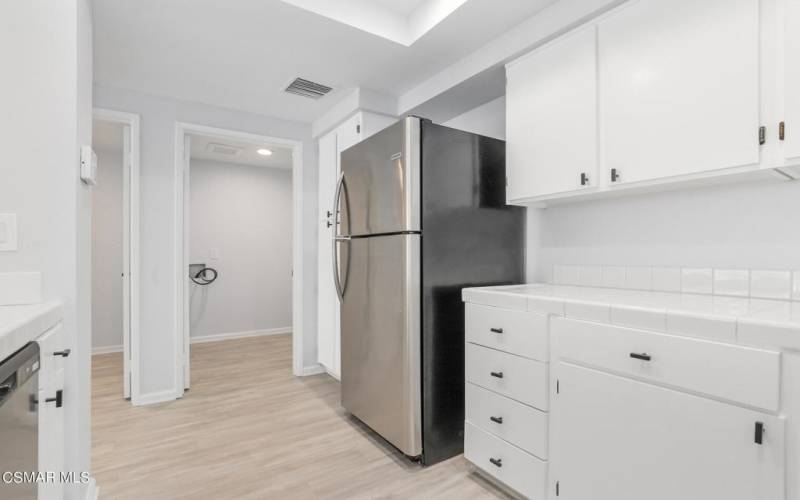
(264, 152)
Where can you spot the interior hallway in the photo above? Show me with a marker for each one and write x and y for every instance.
(249, 429)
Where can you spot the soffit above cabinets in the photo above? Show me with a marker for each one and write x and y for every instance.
(403, 22)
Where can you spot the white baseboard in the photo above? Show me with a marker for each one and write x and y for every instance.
(313, 370)
(154, 398)
(240, 335)
(92, 490)
(108, 349)
(207, 338)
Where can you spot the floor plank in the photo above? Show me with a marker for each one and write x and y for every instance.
(249, 429)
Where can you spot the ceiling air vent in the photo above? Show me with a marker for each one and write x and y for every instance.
(223, 149)
(308, 88)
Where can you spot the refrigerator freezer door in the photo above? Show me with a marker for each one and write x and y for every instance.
(381, 337)
(381, 182)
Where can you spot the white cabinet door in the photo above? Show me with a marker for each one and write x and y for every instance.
(614, 438)
(679, 87)
(51, 416)
(348, 133)
(327, 301)
(551, 113)
(792, 81)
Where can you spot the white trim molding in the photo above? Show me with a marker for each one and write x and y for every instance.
(106, 349)
(181, 301)
(217, 337)
(92, 490)
(131, 378)
(313, 370)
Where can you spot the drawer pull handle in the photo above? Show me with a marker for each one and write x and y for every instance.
(497, 420)
(760, 431)
(496, 374)
(58, 399)
(496, 330)
(64, 354)
(643, 356)
(497, 462)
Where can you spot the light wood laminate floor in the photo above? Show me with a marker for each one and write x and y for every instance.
(249, 429)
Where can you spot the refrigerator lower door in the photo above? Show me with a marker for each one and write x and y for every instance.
(380, 322)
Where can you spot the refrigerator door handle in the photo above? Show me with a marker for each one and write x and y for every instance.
(336, 239)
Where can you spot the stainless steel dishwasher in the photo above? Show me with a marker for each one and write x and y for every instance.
(19, 420)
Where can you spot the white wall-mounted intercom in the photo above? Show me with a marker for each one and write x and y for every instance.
(88, 165)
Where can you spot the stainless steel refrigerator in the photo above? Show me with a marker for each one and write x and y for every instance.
(422, 214)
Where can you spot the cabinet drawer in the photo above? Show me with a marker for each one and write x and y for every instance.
(518, 378)
(519, 424)
(741, 374)
(508, 464)
(517, 332)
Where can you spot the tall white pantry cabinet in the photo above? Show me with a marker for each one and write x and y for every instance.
(657, 92)
(350, 132)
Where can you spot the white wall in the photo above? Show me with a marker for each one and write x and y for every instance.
(750, 226)
(487, 119)
(46, 102)
(158, 187)
(241, 225)
(107, 228)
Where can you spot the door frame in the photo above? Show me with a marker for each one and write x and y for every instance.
(131, 248)
(181, 258)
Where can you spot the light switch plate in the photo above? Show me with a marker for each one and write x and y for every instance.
(8, 232)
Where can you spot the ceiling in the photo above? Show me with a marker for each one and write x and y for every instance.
(400, 23)
(281, 156)
(241, 54)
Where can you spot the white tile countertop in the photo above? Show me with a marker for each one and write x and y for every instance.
(758, 322)
(21, 324)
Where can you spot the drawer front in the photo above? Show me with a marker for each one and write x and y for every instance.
(518, 378)
(506, 463)
(740, 374)
(518, 332)
(519, 424)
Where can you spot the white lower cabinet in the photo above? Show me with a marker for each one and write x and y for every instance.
(502, 460)
(506, 397)
(615, 438)
(614, 413)
(51, 411)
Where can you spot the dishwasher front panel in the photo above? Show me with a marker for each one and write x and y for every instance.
(19, 418)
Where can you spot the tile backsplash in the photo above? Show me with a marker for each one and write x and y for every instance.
(755, 283)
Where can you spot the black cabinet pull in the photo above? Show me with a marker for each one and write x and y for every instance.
(496, 374)
(496, 330)
(64, 354)
(615, 175)
(584, 179)
(760, 433)
(497, 420)
(643, 356)
(58, 400)
(497, 462)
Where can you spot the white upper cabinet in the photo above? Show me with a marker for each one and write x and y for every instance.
(791, 116)
(551, 118)
(679, 88)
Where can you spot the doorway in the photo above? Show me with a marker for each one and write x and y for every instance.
(239, 242)
(115, 242)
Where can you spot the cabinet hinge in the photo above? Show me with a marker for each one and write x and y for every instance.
(782, 131)
(558, 488)
(762, 135)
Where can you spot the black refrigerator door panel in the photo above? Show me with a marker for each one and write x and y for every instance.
(470, 237)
